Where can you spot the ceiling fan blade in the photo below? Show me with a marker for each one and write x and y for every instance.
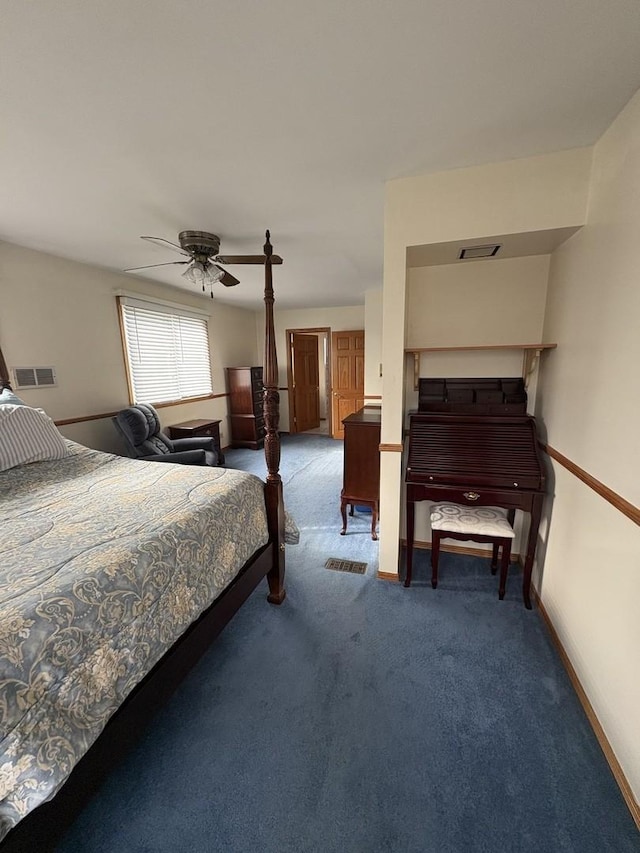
(160, 241)
(227, 279)
(150, 266)
(246, 259)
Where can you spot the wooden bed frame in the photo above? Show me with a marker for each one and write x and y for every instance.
(41, 829)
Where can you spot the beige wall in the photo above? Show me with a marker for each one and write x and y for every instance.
(481, 302)
(337, 319)
(61, 313)
(514, 197)
(494, 302)
(589, 405)
(373, 344)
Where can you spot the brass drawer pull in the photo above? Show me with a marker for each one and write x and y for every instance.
(471, 496)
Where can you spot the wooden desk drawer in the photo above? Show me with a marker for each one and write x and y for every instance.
(191, 429)
(470, 497)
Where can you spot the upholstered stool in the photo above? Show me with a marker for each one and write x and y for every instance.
(477, 523)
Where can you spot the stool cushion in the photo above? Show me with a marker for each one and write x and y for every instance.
(484, 520)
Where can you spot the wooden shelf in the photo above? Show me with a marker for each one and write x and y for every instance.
(531, 355)
(482, 346)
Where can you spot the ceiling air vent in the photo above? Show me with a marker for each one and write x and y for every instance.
(34, 377)
(474, 252)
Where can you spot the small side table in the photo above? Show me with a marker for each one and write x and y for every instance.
(196, 427)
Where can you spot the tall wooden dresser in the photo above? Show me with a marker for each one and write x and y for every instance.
(246, 406)
(361, 472)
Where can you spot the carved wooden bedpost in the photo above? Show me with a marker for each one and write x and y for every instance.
(4, 373)
(273, 488)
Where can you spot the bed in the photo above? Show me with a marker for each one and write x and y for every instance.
(112, 584)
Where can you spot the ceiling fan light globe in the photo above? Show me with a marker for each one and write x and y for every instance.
(188, 274)
(195, 273)
(213, 274)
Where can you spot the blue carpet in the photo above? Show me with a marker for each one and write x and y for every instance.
(361, 716)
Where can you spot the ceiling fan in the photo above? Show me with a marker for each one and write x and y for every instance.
(200, 248)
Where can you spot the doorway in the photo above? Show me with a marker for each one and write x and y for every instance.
(309, 380)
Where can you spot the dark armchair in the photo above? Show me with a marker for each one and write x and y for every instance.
(139, 426)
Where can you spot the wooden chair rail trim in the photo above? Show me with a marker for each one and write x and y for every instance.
(99, 417)
(616, 500)
(390, 448)
(609, 754)
(373, 396)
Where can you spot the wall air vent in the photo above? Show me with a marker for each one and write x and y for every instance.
(474, 252)
(34, 377)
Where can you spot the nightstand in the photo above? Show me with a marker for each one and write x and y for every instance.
(197, 427)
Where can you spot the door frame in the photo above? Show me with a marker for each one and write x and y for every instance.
(316, 330)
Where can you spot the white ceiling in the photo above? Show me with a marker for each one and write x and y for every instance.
(133, 117)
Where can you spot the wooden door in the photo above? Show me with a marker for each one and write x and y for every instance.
(306, 383)
(347, 377)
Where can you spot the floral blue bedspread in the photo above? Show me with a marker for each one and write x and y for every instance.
(104, 562)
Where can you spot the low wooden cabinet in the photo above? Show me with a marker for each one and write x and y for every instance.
(198, 427)
(361, 472)
(246, 401)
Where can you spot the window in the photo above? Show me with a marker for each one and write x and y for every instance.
(167, 351)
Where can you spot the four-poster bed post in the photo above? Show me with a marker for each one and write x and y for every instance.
(273, 494)
(4, 373)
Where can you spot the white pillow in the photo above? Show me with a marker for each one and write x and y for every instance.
(7, 396)
(27, 435)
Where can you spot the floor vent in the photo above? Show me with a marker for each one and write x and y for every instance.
(345, 566)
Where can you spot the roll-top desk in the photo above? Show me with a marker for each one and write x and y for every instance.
(480, 461)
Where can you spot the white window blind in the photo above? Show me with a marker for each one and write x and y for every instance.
(167, 351)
